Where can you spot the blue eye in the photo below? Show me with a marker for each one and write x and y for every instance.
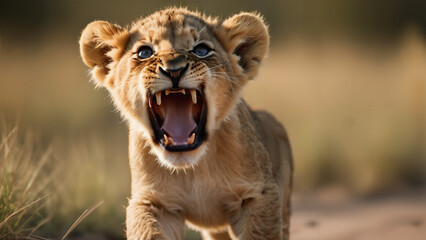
(201, 50)
(145, 52)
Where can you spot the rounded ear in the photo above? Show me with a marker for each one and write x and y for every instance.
(246, 36)
(100, 44)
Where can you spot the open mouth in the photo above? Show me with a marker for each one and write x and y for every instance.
(178, 118)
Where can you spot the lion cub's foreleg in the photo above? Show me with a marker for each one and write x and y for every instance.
(260, 218)
(150, 222)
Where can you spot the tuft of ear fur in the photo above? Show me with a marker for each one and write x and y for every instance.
(246, 36)
(100, 44)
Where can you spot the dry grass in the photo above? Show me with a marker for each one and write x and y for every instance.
(34, 191)
(81, 218)
(23, 187)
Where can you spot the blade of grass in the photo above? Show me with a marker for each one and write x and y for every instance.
(17, 212)
(34, 229)
(35, 173)
(81, 218)
(7, 137)
(35, 237)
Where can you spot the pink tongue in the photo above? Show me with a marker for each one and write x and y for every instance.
(178, 122)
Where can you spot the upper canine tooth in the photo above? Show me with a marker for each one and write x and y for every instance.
(158, 97)
(194, 95)
(167, 92)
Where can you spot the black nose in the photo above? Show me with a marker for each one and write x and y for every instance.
(174, 74)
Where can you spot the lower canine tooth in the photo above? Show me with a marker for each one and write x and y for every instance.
(168, 141)
(194, 95)
(158, 97)
(191, 139)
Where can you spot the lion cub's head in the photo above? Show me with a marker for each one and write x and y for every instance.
(175, 74)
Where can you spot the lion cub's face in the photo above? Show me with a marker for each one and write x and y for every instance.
(176, 75)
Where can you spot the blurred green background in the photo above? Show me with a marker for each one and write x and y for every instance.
(347, 78)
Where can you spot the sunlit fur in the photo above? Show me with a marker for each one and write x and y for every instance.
(237, 184)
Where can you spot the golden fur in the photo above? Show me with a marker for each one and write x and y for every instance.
(237, 184)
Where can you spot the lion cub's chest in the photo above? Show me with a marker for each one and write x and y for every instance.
(205, 207)
(203, 203)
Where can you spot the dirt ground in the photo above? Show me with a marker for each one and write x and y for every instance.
(332, 216)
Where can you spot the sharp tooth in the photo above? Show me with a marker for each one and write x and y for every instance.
(168, 141)
(168, 91)
(191, 139)
(194, 95)
(158, 96)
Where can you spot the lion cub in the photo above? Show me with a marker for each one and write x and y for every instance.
(198, 154)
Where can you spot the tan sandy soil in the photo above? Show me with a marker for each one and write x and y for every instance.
(401, 217)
